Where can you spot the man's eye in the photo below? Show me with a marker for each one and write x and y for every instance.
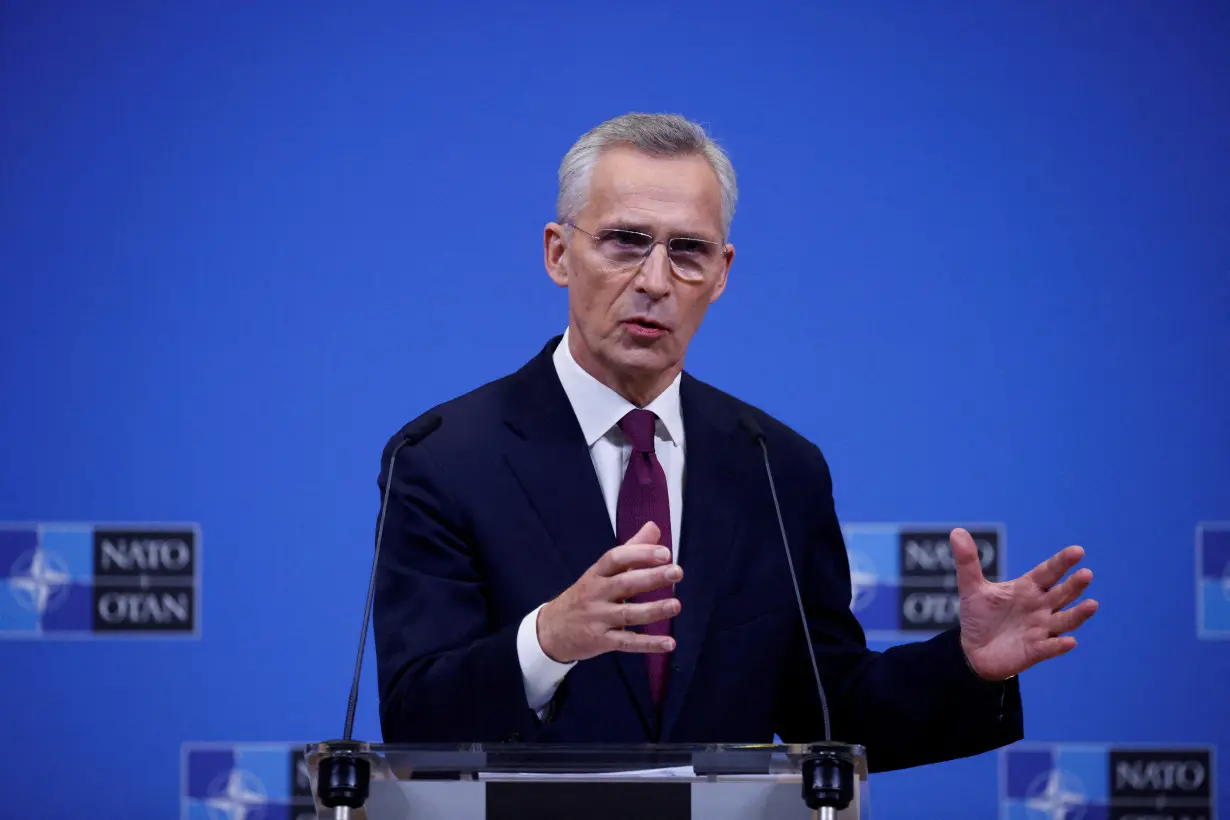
(627, 239)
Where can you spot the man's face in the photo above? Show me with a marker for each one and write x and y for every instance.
(630, 326)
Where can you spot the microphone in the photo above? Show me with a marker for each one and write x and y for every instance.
(343, 778)
(753, 429)
(828, 776)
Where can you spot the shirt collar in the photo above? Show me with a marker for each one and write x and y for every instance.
(598, 408)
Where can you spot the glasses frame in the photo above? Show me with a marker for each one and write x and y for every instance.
(724, 250)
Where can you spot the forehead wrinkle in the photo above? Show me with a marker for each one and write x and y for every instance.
(655, 214)
(681, 195)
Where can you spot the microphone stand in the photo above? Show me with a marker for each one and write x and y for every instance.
(344, 776)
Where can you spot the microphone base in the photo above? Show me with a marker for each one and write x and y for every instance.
(343, 778)
(828, 782)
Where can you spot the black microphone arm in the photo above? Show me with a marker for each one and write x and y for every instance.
(343, 779)
(828, 776)
(758, 436)
(411, 434)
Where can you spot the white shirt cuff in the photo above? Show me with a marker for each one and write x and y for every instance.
(541, 675)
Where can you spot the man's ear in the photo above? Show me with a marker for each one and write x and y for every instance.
(553, 246)
(720, 285)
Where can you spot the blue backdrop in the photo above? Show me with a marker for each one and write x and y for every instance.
(983, 261)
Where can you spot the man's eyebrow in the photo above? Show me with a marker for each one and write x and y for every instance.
(630, 225)
(645, 228)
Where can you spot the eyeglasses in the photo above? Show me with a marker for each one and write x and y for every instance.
(693, 260)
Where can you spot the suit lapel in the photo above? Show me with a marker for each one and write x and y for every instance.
(710, 527)
(552, 463)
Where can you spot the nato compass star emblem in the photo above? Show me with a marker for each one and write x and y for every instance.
(241, 797)
(1056, 795)
(42, 583)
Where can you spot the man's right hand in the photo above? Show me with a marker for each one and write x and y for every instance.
(589, 617)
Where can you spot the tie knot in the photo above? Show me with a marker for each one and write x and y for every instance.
(637, 425)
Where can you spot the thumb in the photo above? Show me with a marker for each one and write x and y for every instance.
(647, 534)
(965, 556)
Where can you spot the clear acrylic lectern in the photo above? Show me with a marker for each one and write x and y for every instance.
(360, 781)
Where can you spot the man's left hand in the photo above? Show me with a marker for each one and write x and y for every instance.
(1008, 627)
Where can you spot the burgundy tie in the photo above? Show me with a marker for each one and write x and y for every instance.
(643, 497)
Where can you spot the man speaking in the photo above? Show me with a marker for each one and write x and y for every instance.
(587, 550)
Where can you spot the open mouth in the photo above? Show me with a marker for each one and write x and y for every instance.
(645, 324)
(645, 329)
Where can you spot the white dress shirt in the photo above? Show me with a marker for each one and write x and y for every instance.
(598, 408)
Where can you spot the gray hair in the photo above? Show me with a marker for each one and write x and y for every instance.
(660, 135)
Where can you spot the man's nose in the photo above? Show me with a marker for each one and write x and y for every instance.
(655, 277)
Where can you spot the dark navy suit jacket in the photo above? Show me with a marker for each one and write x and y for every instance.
(499, 510)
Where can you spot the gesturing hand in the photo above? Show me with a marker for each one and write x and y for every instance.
(589, 617)
(1010, 626)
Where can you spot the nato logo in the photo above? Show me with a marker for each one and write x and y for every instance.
(903, 578)
(245, 781)
(92, 580)
(1213, 580)
(1080, 781)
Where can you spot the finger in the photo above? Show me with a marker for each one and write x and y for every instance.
(1065, 593)
(1054, 647)
(627, 556)
(626, 641)
(647, 534)
(1070, 619)
(639, 614)
(635, 581)
(1052, 569)
(965, 556)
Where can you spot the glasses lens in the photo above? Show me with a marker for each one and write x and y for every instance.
(623, 246)
(694, 257)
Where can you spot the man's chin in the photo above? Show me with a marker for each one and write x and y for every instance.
(639, 357)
